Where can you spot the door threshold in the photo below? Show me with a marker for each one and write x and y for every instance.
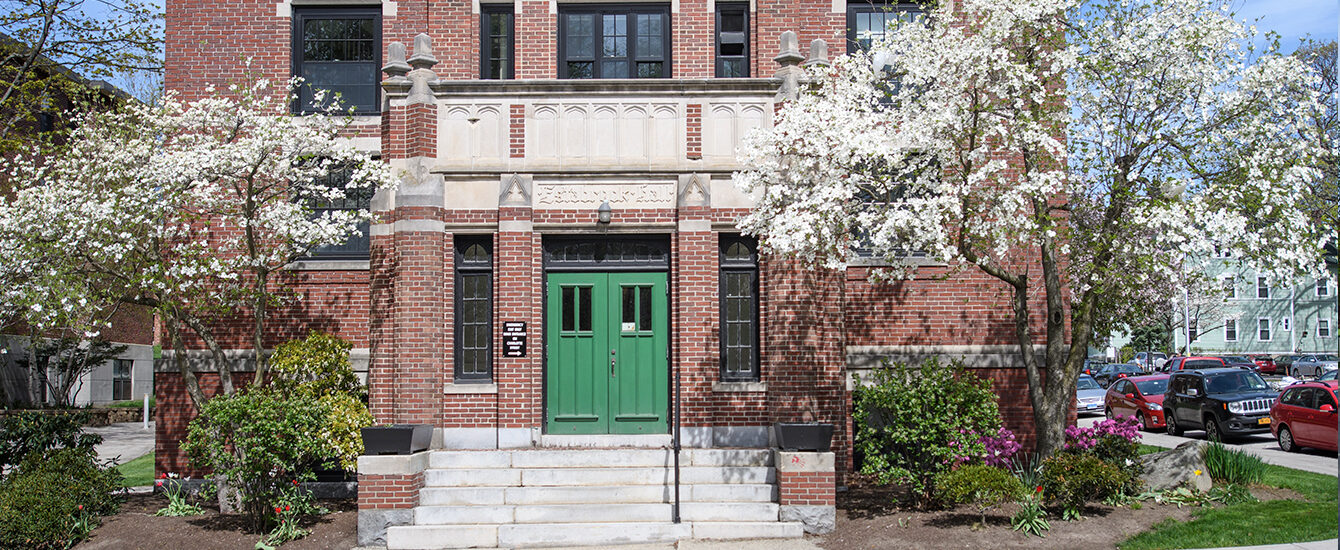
(636, 441)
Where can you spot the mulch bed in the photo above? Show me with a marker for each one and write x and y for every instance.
(136, 527)
(871, 517)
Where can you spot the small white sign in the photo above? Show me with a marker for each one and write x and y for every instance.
(627, 327)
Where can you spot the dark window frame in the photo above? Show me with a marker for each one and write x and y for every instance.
(735, 267)
(717, 58)
(302, 13)
(357, 248)
(487, 11)
(667, 32)
(122, 384)
(472, 269)
(869, 6)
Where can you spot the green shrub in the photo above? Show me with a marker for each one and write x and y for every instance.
(914, 422)
(318, 368)
(985, 487)
(1231, 466)
(54, 498)
(258, 439)
(314, 366)
(1072, 479)
(24, 433)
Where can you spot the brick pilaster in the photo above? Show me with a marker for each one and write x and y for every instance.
(807, 489)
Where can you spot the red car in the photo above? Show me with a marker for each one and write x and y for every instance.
(1138, 396)
(1192, 363)
(1304, 416)
(1264, 363)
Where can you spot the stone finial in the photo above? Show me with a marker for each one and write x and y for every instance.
(789, 73)
(396, 68)
(818, 54)
(790, 50)
(423, 53)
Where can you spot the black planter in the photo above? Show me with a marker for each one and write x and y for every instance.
(804, 436)
(396, 439)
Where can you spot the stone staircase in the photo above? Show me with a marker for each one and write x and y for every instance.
(562, 497)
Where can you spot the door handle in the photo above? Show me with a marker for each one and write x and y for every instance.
(612, 375)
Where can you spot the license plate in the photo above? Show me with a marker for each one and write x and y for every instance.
(1263, 421)
(1091, 406)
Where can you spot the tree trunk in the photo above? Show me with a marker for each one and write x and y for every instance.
(258, 324)
(220, 359)
(179, 358)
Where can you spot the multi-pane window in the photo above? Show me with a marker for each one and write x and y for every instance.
(870, 22)
(1323, 288)
(614, 41)
(1230, 288)
(338, 50)
(1323, 328)
(1262, 288)
(739, 308)
(1231, 330)
(496, 41)
(1263, 329)
(474, 308)
(356, 247)
(732, 40)
(121, 369)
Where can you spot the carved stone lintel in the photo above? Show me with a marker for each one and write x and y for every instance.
(694, 190)
(515, 190)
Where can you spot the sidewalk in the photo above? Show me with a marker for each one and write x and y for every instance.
(124, 441)
(1315, 545)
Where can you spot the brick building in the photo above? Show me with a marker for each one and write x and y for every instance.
(560, 266)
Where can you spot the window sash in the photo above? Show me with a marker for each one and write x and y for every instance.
(864, 15)
(358, 245)
(497, 49)
(1323, 288)
(121, 379)
(1231, 330)
(622, 42)
(361, 75)
(739, 307)
(1262, 288)
(732, 65)
(1323, 328)
(1230, 288)
(1263, 329)
(474, 312)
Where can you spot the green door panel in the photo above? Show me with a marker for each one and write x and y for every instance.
(606, 337)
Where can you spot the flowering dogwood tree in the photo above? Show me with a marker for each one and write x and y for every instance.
(1076, 152)
(188, 208)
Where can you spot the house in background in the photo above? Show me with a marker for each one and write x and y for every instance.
(130, 375)
(559, 279)
(1256, 316)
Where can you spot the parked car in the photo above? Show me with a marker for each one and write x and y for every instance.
(1110, 373)
(1138, 396)
(1283, 362)
(1088, 395)
(1328, 375)
(1149, 360)
(1195, 362)
(1312, 365)
(1264, 363)
(1305, 416)
(1238, 361)
(1225, 402)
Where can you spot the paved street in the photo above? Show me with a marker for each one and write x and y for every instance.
(1264, 446)
(124, 441)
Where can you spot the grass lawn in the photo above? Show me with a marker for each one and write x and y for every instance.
(138, 472)
(1273, 522)
(1150, 449)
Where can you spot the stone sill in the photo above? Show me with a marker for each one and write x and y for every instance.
(329, 265)
(739, 387)
(470, 389)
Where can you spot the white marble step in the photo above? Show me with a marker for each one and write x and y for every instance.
(730, 492)
(541, 535)
(747, 530)
(587, 458)
(424, 537)
(728, 511)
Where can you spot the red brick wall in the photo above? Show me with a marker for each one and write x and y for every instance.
(389, 492)
(806, 488)
(173, 412)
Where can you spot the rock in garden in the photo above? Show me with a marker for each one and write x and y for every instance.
(1176, 467)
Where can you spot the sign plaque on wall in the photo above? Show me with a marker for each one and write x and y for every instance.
(514, 339)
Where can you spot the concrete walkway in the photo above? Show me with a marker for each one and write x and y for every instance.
(1315, 545)
(124, 441)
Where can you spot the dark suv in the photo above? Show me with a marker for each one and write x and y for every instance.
(1225, 402)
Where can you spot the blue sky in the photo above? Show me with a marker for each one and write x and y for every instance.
(1292, 19)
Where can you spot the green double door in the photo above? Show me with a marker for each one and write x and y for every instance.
(607, 370)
